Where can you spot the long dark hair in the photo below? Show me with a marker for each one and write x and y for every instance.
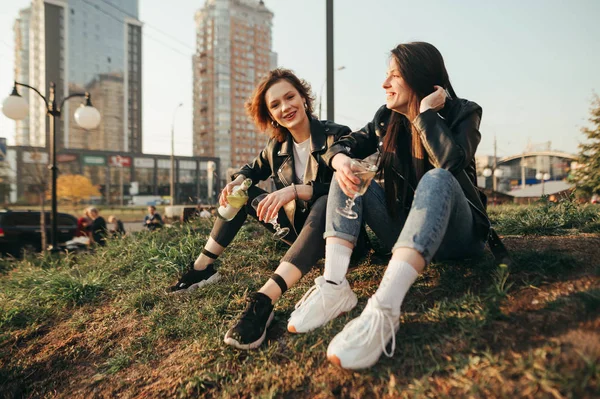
(256, 106)
(422, 67)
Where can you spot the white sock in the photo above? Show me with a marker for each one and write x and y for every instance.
(337, 259)
(398, 278)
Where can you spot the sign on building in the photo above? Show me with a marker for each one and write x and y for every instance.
(119, 160)
(94, 160)
(66, 158)
(35, 157)
(143, 162)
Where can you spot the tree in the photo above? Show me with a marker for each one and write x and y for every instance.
(587, 174)
(75, 188)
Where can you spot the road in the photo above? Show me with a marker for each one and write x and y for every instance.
(133, 226)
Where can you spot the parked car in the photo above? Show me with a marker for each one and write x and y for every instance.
(21, 230)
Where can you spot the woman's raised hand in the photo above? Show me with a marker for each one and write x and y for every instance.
(344, 175)
(229, 188)
(434, 101)
(268, 208)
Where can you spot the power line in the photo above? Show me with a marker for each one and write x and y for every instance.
(193, 49)
(6, 44)
(95, 6)
(145, 23)
(188, 56)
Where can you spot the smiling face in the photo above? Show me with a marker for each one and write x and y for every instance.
(286, 105)
(396, 90)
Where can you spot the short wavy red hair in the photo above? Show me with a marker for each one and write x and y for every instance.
(256, 106)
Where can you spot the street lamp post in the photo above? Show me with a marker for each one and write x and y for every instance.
(15, 107)
(173, 195)
(340, 68)
(543, 176)
(496, 173)
(329, 41)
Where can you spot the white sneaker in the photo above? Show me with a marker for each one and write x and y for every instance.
(360, 344)
(322, 303)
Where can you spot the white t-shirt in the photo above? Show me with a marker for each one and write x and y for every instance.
(301, 154)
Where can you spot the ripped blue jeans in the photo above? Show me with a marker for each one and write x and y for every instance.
(440, 221)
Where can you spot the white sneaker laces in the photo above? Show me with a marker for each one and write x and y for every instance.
(315, 289)
(361, 331)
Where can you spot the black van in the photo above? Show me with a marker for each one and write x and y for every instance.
(21, 230)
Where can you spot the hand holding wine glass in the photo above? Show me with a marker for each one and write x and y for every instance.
(344, 175)
(280, 232)
(363, 171)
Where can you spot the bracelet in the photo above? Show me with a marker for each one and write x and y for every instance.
(295, 191)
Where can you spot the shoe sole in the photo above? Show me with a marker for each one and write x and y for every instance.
(252, 345)
(333, 359)
(294, 330)
(212, 279)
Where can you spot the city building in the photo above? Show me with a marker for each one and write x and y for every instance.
(21, 32)
(118, 176)
(82, 46)
(233, 52)
(535, 170)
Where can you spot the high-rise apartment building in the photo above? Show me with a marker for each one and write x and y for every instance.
(21, 32)
(82, 45)
(233, 51)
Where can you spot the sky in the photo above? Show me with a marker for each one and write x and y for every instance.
(532, 65)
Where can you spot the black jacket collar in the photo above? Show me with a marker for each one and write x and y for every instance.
(318, 139)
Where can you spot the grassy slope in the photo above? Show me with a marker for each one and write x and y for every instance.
(100, 325)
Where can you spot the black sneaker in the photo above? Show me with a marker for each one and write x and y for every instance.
(251, 328)
(193, 279)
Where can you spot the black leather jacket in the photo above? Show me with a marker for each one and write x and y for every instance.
(276, 160)
(450, 138)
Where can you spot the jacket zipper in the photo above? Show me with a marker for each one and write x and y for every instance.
(281, 176)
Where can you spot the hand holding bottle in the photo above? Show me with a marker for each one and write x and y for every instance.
(235, 200)
(228, 189)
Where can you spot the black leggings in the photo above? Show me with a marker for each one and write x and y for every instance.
(305, 249)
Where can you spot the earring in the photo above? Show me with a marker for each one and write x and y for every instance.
(305, 106)
(274, 124)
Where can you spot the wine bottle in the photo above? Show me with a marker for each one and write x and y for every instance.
(236, 200)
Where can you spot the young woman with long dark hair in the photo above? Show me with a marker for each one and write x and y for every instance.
(428, 206)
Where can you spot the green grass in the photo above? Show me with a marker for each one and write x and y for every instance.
(546, 218)
(100, 323)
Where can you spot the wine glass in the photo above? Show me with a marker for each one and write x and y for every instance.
(365, 171)
(280, 232)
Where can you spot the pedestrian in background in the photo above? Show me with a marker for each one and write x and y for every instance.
(82, 225)
(153, 221)
(97, 228)
(118, 228)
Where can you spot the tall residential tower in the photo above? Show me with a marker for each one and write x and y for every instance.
(82, 45)
(21, 32)
(233, 52)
